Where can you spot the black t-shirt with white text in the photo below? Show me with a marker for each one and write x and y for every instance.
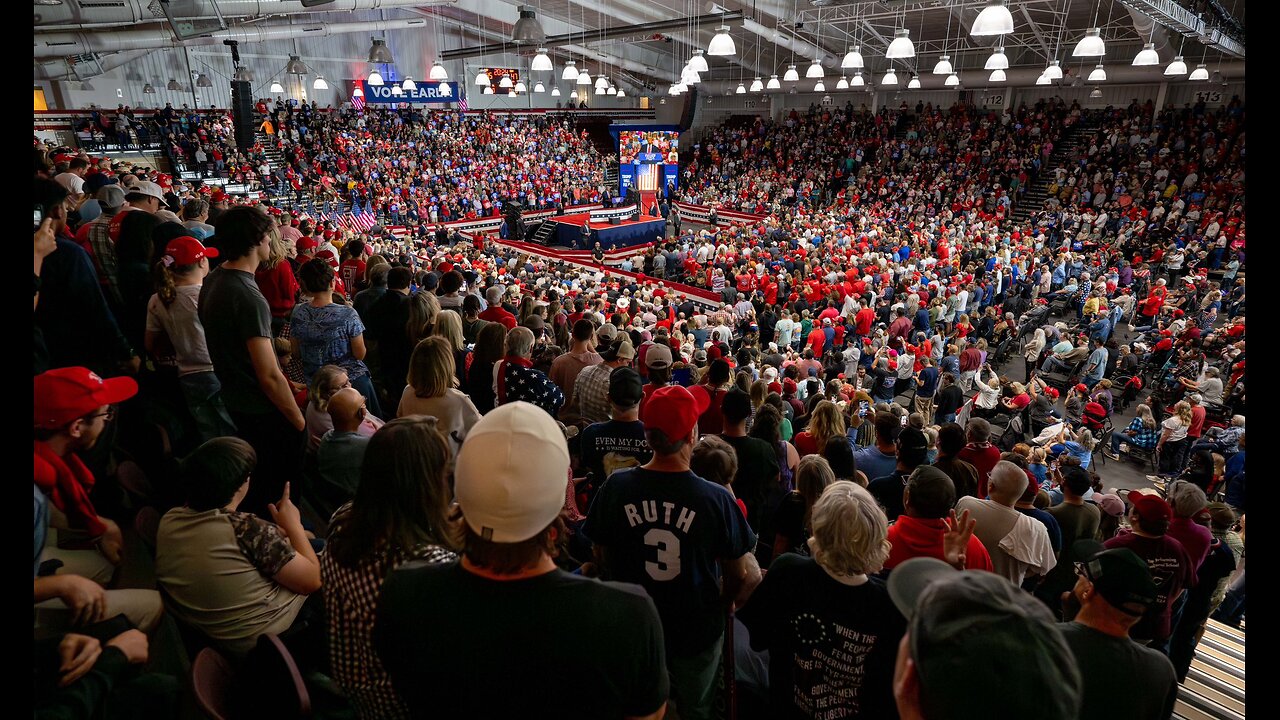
(613, 445)
(831, 646)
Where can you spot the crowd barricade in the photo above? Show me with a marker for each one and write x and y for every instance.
(702, 214)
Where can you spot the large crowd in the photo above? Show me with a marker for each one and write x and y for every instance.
(459, 479)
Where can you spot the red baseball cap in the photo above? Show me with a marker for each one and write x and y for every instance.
(64, 394)
(187, 250)
(306, 242)
(1149, 507)
(1081, 387)
(675, 410)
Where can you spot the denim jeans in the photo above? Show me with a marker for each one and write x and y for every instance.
(693, 680)
(365, 385)
(204, 398)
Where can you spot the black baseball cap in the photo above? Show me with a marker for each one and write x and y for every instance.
(1119, 575)
(625, 387)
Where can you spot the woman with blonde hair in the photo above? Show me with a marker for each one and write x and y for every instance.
(423, 310)
(801, 599)
(432, 390)
(1173, 438)
(449, 326)
(824, 423)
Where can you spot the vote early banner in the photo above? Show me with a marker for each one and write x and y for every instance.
(425, 92)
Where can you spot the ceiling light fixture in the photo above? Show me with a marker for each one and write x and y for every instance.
(379, 53)
(482, 78)
(698, 62)
(409, 84)
(555, 91)
(901, 47)
(857, 80)
(819, 87)
(742, 89)
(527, 29)
(521, 87)
(815, 70)
(997, 76)
(890, 78)
(584, 78)
(1147, 57)
(319, 83)
(276, 87)
(1099, 74)
(722, 44)
(1095, 93)
(853, 59)
(915, 83)
(538, 87)
(757, 85)
(203, 81)
(842, 83)
(570, 71)
(357, 92)
(1054, 71)
(1200, 73)
(375, 78)
(1177, 67)
(943, 67)
(505, 83)
(952, 80)
(997, 61)
(774, 84)
(173, 85)
(438, 72)
(792, 75)
(541, 61)
(995, 19)
(1043, 79)
(1091, 45)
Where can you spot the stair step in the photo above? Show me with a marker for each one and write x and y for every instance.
(1210, 699)
(1225, 689)
(1210, 666)
(1225, 631)
(1226, 649)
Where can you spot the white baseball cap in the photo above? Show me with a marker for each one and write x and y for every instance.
(511, 473)
(144, 187)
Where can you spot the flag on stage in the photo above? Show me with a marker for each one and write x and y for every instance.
(462, 103)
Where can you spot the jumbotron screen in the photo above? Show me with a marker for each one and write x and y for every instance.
(648, 147)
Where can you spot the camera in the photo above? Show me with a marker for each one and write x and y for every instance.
(39, 216)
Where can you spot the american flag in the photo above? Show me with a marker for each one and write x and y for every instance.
(358, 222)
(462, 100)
(357, 101)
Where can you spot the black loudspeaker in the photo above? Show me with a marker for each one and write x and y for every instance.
(242, 113)
(615, 220)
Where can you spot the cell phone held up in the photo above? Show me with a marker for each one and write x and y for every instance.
(39, 218)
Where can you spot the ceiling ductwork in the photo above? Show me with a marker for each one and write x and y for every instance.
(117, 13)
(58, 69)
(75, 43)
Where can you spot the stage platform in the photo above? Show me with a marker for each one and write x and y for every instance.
(625, 234)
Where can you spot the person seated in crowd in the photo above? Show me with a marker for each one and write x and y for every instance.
(341, 452)
(510, 485)
(326, 383)
(229, 574)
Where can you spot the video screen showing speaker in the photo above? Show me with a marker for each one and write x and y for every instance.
(648, 158)
(242, 113)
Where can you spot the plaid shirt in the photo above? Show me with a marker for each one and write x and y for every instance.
(104, 259)
(1142, 436)
(591, 391)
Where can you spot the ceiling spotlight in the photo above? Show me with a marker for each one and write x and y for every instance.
(1099, 74)
(319, 83)
(203, 80)
(276, 87)
(570, 71)
(1054, 71)
(890, 78)
(901, 47)
(541, 61)
(527, 28)
(722, 44)
(1177, 67)
(698, 62)
(853, 59)
(944, 66)
(995, 19)
(1091, 45)
(757, 85)
(1200, 73)
(438, 72)
(792, 75)
(773, 83)
(814, 71)
(997, 61)
(482, 78)
(379, 53)
(409, 84)
(1148, 56)
(997, 76)
(375, 78)
(914, 84)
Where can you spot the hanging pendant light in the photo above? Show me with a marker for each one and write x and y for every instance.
(584, 78)
(488, 90)
(1091, 45)
(409, 84)
(997, 61)
(943, 67)
(570, 71)
(541, 61)
(997, 76)
(1043, 79)
(1095, 93)
(319, 83)
(901, 47)
(842, 83)
(527, 29)
(673, 90)
(952, 80)
(173, 85)
(857, 80)
(511, 93)
(601, 82)
(698, 62)
(483, 79)
(438, 72)
(149, 89)
(742, 90)
(1177, 67)
(1054, 71)
(505, 82)
(611, 90)
(296, 66)
(1200, 73)
(722, 44)
(600, 91)
(819, 87)
(375, 78)
(853, 59)
(396, 91)
(1148, 56)
(521, 87)
(890, 78)
(573, 95)
(358, 92)
(791, 75)
(276, 87)
(538, 87)
(773, 83)
(444, 90)
(995, 19)
(555, 91)
(202, 80)
(379, 53)
(244, 74)
(757, 85)
(814, 71)
(690, 76)
(914, 84)
(1099, 74)
(622, 93)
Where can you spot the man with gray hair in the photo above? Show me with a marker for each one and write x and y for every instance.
(1019, 545)
(495, 312)
(515, 378)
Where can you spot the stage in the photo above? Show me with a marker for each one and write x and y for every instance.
(628, 232)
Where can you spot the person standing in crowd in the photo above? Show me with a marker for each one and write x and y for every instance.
(1171, 567)
(432, 390)
(618, 442)
(911, 447)
(326, 332)
(515, 379)
(1077, 520)
(759, 472)
(980, 453)
(928, 523)
(951, 442)
(510, 485)
(566, 368)
(237, 325)
(386, 323)
(1019, 545)
(704, 561)
(591, 388)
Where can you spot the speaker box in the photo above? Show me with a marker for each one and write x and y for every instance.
(242, 113)
(615, 220)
